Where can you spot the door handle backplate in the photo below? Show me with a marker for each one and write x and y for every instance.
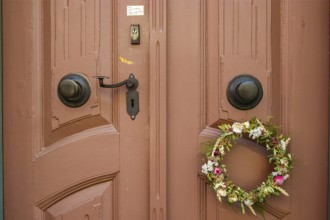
(132, 96)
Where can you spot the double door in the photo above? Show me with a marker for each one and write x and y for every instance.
(94, 161)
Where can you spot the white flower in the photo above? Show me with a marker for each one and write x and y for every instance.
(283, 145)
(233, 199)
(286, 176)
(246, 124)
(204, 169)
(219, 197)
(237, 127)
(221, 192)
(210, 165)
(275, 173)
(220, 184)
(248, 202)
(255, 133)
(207, 167)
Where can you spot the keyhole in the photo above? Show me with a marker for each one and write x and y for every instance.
(132, 103)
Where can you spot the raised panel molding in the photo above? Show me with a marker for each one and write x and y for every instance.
(235, 39)
(75, 47)
(95, 198)
(82, 136)
(62, 44)
(244, 48)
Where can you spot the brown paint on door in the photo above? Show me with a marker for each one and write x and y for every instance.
(285, 45)
(94, 162)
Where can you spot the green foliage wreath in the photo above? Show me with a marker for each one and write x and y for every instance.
(264, 134)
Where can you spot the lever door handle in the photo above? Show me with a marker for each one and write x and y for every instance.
(132, 96)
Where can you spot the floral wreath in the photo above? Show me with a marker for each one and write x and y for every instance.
(264, 134)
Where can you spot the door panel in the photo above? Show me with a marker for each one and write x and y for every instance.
(77, 38)
(244, 34)
(75, 31)
(94, 202)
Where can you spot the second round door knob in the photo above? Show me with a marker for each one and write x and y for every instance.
(247, 91)
(244, 92)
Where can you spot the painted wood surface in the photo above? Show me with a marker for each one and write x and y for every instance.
(94, 162)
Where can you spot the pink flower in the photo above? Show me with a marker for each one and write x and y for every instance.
(279, 179)
(217, 171)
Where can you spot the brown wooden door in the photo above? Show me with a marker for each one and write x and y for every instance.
(94, 162)
(285, 45)
(89, 162)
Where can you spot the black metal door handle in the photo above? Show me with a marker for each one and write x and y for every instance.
(132, 96)
(73, 90)
(244, 92)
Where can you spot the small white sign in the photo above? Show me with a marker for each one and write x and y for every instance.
(135, 10)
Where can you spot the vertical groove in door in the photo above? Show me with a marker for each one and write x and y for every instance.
(83, 28)
(153, 18)
(329, 127)
(203, 35)
(158, 98)
(1, 161)
(66, 31)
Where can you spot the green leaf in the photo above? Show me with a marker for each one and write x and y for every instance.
(207, 147)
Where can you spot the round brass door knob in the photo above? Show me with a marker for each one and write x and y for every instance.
(244, 92)
(73, 90)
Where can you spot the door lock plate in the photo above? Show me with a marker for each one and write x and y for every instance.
(132, 95)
